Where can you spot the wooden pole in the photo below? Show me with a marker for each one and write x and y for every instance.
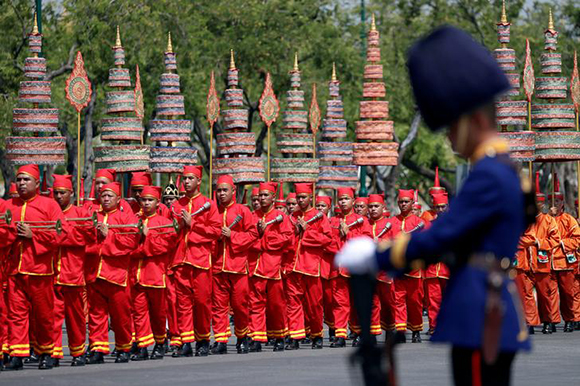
(269, 153)
(79, 159)
(210, 160)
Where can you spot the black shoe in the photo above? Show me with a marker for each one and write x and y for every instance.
(338, 343)
(306, 340)
(165, 346)
(142, 355)
(568, 327)
(270, 342)
(352, 335)
(96, 358)
(278, 345)
(294, 344)
(79, 361)
(220, 348)
(531, 330)
(33, 358)
(178, 352)
(416, 337)
(186, 350)
(45, 362)
(400, 337)
(15, 363)
(254, 346)
(134, 348)
(577, 326)
(158, 351)
(331, 335)
(553, 327)
(317, 343)
(547, 329)
(243, 346)
(122, 357)
(55, 362)
(287, 340)
(356, 341)
(202, 350)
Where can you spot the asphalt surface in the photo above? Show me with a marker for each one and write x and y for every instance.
(555, 360)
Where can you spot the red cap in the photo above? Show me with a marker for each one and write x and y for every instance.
(440, 199)
(268, 187)
(364, 200)
(326, 199)
(255, 191)
(31, 170)
(437, 188)
(303, 188)
(416, 205)
(345, 192)
(13, 189)
(114, 187)
(152, 192)
(193, 170)
(376, 199)
(109, 174)
(539, 195)
(226, 179)
(291, 196)
(62, 182)
(407, 194)
(139, 179)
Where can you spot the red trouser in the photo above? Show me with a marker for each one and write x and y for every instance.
(267, 309)
(525, 284)
(149, 314)
(171, 294)
(548, 300)
(375, 317)
(304, 302)
(230, 288)
(69, 306)
(408, 304)
(566, 287)
(341, 305)
(387, 300)
(106, 299)
(577, 298)
(29, 297)
(327, 300)
(193, 287)
(434, 287)
(3, 322)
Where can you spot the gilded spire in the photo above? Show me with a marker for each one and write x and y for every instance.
(232, 61)
(551, 21)
(169, 45)
(373, 23)
(118, 41)
(333, 79)
(504, 19)
(296, 69)
(35, 27)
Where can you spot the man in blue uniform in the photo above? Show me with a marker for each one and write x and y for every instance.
(455, 81)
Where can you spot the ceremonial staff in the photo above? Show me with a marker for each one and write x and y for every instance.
(213, 113)
(269, 109)
(529, 84)
(314, 121)
(575, 94)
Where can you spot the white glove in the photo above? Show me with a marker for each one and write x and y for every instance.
(358, 256)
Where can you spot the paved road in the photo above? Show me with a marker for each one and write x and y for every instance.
(554, 361)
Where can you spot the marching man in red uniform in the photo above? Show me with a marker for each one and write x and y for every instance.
(267, 300)
(69, 302)
(139, 180)
(255, 199)
(361, 206)
(149, 276)
(30, 270)
(103, 177)
(107, 275)
(304, 289)
(201, 227)
(230, 268)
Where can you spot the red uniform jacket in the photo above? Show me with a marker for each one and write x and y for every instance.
(150, 260)
(109, 257)
(311, 243)
(539, 240)
(407, 224)
(358, 230)
(327, 268)
(275, 241)
(570, 239)
(33, 256)
(195, 244)
(377, 228)
(71, 254)
(231, 254)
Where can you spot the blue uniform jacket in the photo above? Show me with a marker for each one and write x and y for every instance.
(487, 217)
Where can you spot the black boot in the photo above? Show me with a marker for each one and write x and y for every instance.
(294, 344)
(317, 343)
(33, 358)
(220, 348)
(55, 362)
(15, 363)
(577, 326)
(356, 341)
(79, 361)
(568, 327)
(553, 327)
(400, 337)
(134, 348)
(416, 337)
(122, 357)
(202, 350)
(270, 342)
(254, 346)
(306, 340)
(186, 350)
(338, 343)
(547, 329)
(243, 346)
(352, 335)
(331, 335)
(278, 345)
(141, 355)
(158, 351)
(45, 362)
(96, 358)
(531, 330)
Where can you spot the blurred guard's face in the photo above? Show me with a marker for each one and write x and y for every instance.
(266, 200)
(256, 202)
(441, 208)
(321, 206)
(376, 210)
(291, 205)
(360, 208)
(26, 185)
(405, 205)
(224, 194)
(62, 197)
(190, 183)
(345, 203)
(168, 201)
(136, 192)
(149, 205)
(99, 182)
(304, 201)
(109, 200)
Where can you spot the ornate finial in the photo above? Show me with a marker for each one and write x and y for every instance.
(333, 79)
(35, 28)
(118, 41)
(169, 45)
(551, 21)
(504, 19)
(373, 24)
(232, 62)
(296, 69)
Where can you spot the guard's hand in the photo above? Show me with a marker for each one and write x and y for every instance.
(261, 227)
(24, 230)
(302, 224)
(226, 232)
(145, 231)
(343, 229)
(186, 217)
(103, 229)
(358, 256)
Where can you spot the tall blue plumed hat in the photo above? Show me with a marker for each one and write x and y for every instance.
(452, 75)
